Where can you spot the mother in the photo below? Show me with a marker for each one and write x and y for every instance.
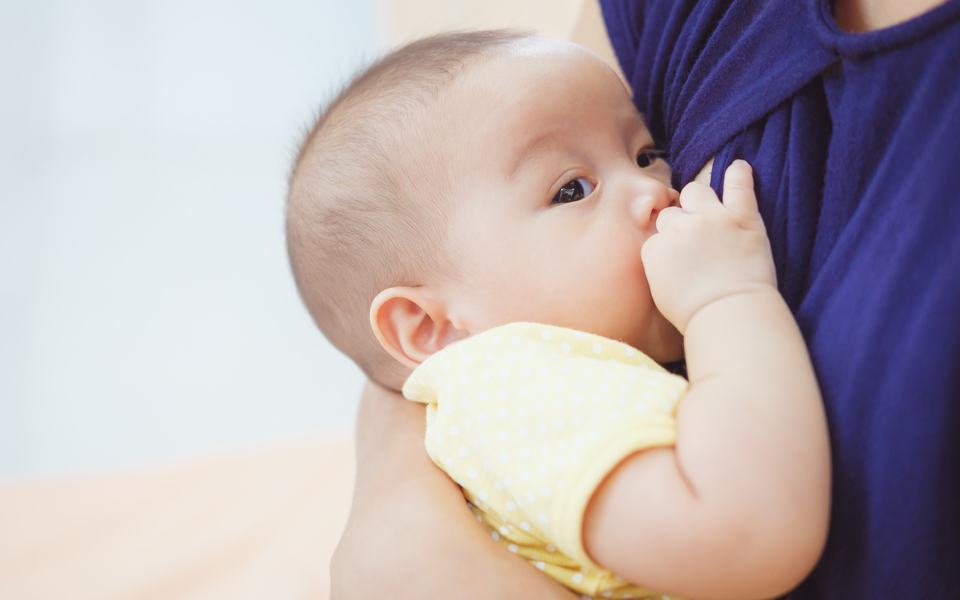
(849, 112)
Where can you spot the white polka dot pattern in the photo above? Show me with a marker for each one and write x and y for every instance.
(529, 418)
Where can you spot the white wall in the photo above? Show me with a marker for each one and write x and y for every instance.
(147, 313)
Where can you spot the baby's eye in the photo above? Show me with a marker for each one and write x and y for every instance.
(573, 190)
(648, 156)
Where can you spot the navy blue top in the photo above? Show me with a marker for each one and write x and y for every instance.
(855, 142)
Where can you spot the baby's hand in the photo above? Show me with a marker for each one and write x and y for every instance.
(708, 250)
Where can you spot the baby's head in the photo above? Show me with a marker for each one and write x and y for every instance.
(469, 180)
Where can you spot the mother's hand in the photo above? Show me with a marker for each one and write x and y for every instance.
(410, 534)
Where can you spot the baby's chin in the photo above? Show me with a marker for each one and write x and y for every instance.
(660, 341)
(668, 348)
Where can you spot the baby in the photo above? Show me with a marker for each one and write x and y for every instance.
(481, 220)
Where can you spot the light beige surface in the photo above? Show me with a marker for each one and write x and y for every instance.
(408, 19)
(261, 525)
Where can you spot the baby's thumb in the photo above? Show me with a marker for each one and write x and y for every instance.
(738, 194)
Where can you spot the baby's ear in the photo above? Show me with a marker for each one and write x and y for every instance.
(411, 323)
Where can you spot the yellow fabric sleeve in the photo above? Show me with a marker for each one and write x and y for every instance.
(529, 418)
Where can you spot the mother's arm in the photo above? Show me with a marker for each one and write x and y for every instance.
(410, 534)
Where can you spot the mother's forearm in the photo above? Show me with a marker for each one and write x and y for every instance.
(410, 533)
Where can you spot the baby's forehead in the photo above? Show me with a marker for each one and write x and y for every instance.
(538, 82)
(515, 96)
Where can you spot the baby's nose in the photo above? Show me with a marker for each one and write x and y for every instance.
(648, 204)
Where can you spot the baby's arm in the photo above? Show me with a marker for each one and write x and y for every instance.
(739, 508)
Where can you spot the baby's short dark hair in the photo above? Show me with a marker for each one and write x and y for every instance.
(362, 214)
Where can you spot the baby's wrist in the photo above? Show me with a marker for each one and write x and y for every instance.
(750, 292)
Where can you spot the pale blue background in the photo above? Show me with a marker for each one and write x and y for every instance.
(147, 314)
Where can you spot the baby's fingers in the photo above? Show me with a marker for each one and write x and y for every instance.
(668, 217)
(738, 193)
(698, 197)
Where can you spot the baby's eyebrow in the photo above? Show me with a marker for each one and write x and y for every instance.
(531, 147)
(631, 123)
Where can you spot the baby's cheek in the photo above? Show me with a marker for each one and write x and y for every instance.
(630, 267)
(626, 278)
(634, 282)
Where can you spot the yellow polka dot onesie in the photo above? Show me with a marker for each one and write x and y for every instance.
(529, 418)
